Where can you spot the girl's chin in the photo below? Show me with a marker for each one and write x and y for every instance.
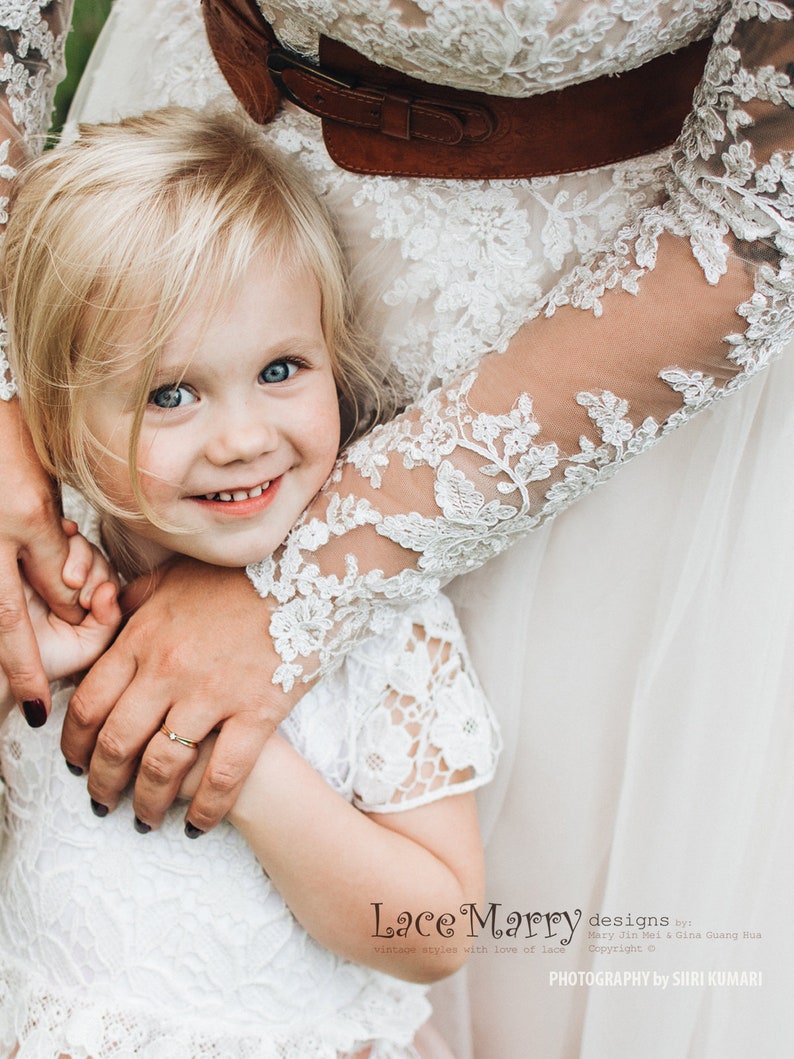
(229, 558)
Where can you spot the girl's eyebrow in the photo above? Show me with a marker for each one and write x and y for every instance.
(302, 346)
(165, 372)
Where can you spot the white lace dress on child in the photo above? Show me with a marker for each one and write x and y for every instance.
(114, 944)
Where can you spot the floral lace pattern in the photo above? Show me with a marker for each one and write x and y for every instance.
(500, 46)
(431, 724)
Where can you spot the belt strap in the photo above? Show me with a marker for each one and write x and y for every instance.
(380, 121)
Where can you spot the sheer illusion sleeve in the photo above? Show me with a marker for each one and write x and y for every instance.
(32, 36)
(690, 301)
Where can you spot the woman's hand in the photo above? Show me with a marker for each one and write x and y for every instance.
(196, 655)
(31, 538)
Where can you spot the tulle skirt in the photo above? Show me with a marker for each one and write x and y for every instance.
(647, 668)
(639, 653)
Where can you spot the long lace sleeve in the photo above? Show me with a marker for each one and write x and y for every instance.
(32, 37)
(684, 307)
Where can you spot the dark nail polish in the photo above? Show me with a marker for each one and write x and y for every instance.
(141, 827)
(98, 809)
(35, 712)
(74, 769)
(191, 831)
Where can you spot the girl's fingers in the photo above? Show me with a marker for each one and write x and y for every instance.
(79, 561)
(105, 609)
(101, 573)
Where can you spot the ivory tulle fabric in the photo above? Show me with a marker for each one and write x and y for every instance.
(637, 648)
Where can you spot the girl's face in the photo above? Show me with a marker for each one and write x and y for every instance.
(241, 427)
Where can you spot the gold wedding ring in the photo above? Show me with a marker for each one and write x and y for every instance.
(183, 739)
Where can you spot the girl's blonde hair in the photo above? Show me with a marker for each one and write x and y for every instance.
(127, 228)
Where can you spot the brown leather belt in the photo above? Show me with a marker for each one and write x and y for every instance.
(379, 121)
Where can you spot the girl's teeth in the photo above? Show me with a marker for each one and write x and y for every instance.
(239, 494)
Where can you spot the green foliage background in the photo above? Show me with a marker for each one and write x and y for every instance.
(87, 21)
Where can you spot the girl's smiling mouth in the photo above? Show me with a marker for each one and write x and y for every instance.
(237, 494)
(240, 501)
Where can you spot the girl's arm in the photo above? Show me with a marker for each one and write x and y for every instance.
(384, 881)
(347, 876)
(687, 304)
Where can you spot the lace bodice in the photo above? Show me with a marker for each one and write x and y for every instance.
(504, 47)
(98, 926)
(639, 293)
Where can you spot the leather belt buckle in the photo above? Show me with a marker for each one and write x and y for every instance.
(280, 60)
(390, 110)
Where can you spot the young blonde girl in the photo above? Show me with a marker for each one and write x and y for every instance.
(180, 330)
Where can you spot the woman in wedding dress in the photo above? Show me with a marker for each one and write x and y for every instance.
(637, 648)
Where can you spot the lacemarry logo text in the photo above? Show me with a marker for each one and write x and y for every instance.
(491, 919)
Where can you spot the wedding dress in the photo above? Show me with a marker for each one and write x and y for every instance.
(637, 648)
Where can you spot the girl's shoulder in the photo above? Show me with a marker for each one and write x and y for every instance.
(430, 732)
(403, 705)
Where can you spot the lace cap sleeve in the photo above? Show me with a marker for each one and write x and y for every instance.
(432, 733)
(685, 306)
(32, 38)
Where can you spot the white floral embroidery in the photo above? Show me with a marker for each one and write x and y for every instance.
(508, 47)
(386, 748)
(460, 727)
(432, 727)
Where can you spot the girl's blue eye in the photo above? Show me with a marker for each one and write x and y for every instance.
(171, 397)
(278, 371)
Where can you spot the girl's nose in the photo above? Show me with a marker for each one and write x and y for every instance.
(241, 436)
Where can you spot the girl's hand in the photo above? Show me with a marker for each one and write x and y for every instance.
(64, 648)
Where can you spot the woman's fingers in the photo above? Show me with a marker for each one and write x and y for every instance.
(42, 559)
(196, 655)
(105, 609)
(30, 521)
(42, 553)
(100, 692)
(236, 750)
(238, 744)
(166, 761)
(19, 651)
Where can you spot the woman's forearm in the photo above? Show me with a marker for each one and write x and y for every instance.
(346, 878)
